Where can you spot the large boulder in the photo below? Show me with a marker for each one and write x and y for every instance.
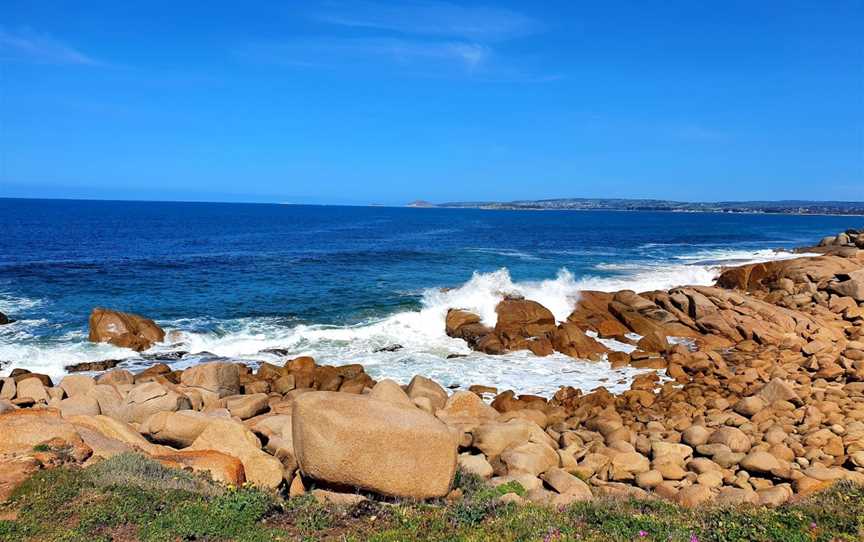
(523, 318)
(147, 399)
(33, 388)
(731, 437)
(355, 441)
(178, 429)
(123, 329)
(221, 467)
(458, 318)
(84, 405)
(852, 286)
(75, 385)
(466, 407)
(21, 430)
(389, 390)
(108, 437)
(247, 406)
(530, 457)
(217, 377)
(569, 339)
(422, 387)
(493, 438)
(235, 439)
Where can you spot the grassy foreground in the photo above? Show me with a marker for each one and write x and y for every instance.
(132, 498)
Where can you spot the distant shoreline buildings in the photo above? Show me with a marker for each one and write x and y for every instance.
(799, 207)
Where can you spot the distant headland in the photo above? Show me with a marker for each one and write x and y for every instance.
(805, 207)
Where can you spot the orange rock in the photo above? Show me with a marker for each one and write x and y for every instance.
(523, 318)
(125, 330)
(572, 341)
(221, 467)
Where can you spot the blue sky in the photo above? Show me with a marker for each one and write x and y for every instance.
(387, 102)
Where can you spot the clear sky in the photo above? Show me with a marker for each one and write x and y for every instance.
(391, 101)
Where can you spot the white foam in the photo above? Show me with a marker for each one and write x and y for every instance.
(11, 304)
(739, 256)
(510, 253)
(699, 269)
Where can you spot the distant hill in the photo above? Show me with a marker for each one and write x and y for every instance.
(608, 204)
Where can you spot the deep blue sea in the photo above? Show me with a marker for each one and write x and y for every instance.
(341, 283)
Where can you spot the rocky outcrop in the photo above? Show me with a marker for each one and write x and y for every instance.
(124, 329)
(522, 325)
(767, 275)
(849, 238)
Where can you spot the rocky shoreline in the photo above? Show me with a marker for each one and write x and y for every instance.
(757, 397)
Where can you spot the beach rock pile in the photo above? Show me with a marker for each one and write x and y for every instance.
(522, 325)
(333, 425)
(849, 238)
(757, 396)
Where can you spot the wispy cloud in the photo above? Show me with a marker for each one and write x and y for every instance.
(431, 18)
(29, 46)
(339, 52)
(418, 37)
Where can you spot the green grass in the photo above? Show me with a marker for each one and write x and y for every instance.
(140, 497)
(132, 498)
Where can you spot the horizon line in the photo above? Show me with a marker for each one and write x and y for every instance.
(413, 204)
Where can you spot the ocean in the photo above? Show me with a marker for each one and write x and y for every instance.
(367, 285)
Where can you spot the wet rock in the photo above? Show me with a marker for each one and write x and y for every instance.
(281, 352)
(389, 348)
(522, 318)
(569, 339)
(125, 330)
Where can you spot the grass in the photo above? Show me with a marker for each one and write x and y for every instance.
(132, 498)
